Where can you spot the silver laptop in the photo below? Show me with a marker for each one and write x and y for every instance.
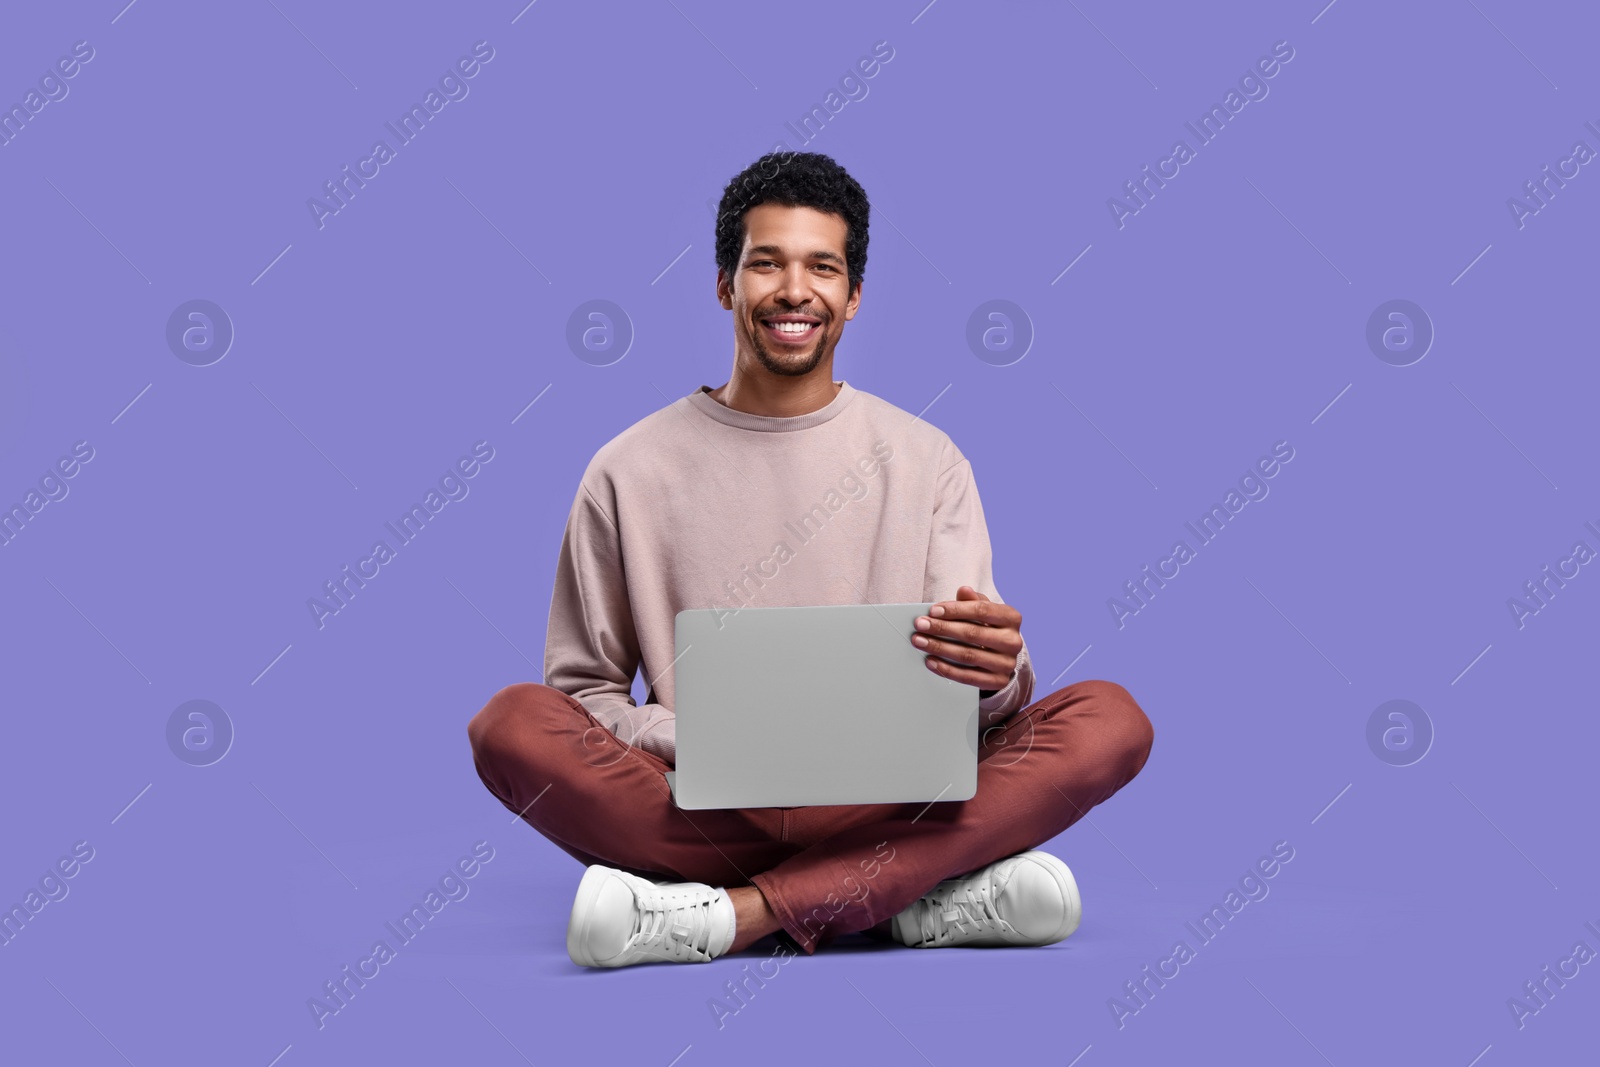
(797, 706)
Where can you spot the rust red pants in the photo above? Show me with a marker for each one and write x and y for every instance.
(825, 870)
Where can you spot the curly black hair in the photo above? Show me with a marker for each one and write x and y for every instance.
(798, 179)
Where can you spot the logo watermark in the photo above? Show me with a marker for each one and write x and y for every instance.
(999, 332)
(453, 87)
(53, 88)
(1538, 192)
(1399, 733)
(199, 733)
(739, 993)
(452, 887)
(1252, 87)
(53, 488)
(199, 332)
(1539, 992)
(1140, 590)
(52, 888)
(806, 528)
(1252, 887)
(1399, 332)
(599, 332)
(339, 592)
(853, 87)
(1539, 591)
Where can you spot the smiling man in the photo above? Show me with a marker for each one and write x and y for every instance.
(667, 517)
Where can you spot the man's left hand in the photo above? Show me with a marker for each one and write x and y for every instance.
(971, 639)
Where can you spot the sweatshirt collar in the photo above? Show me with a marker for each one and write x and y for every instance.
(702, 401)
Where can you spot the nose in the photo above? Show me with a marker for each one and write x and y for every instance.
(796, 288)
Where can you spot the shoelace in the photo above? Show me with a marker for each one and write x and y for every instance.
(675, 929)
(942, 917)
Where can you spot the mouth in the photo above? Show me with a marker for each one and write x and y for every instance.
(791, 329)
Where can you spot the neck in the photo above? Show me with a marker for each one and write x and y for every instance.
(760, 392)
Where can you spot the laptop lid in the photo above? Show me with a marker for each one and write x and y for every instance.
(826, 704)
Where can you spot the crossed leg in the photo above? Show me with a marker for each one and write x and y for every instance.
(819, 871)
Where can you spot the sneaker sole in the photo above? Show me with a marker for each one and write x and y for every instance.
(1069, 891)
(900, 928)
(906, 935)
(594, 879)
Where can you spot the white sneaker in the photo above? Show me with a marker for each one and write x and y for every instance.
(1026, 899)
(619, 918)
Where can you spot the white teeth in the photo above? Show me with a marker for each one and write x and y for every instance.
(792, 327)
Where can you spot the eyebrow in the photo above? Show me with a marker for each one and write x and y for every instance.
(774, 250)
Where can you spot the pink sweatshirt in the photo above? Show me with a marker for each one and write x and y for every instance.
(701, 506)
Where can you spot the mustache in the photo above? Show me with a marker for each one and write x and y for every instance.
(772, 313)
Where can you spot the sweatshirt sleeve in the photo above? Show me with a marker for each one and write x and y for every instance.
(591, 649)
(959, 554)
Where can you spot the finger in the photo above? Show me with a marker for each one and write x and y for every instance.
(964, 594)
(975, 613)
(987, 612)
(981, 658)
(964, 597)
(996, 638)
(967, 675)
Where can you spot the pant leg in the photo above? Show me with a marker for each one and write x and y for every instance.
(1037, 775)
(603, 801)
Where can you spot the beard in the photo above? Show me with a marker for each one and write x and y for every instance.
(792, 364)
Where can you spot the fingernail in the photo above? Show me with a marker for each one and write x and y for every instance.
(920, 641)
(938, 609)
(922, 622)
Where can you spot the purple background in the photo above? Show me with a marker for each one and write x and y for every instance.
(1228, 314)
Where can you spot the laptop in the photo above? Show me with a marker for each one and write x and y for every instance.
(828, 704)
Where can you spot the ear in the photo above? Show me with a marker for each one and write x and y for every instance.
(854, 302)
(724, 290)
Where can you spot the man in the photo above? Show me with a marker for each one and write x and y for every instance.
(785, 487)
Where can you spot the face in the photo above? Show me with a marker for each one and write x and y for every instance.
(792, 271)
